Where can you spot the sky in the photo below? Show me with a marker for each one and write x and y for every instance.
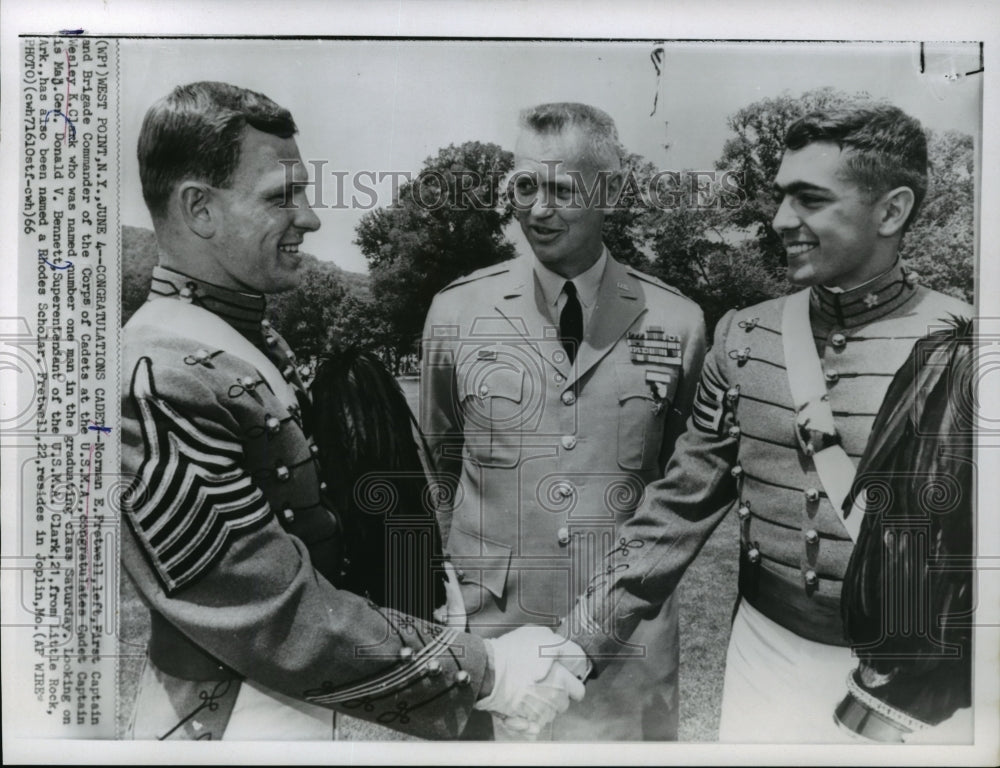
(387, 105)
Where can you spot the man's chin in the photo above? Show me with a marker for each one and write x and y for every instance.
(800, 277)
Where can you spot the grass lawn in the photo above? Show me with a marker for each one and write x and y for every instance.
(707, 596)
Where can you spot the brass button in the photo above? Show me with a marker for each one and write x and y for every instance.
(265, 323)
(288, 514)
(559, 356)
(186, 293)
(838, 340)
(202, 355)
(484, 390)
(433, 667)
(734, 432)
(246, 382)
(568, 397)
(406, 654)
(270, 340)
(754, 556)
(732, 393)
(314, 449)
(812, 495)
(812, 536)
(462, 677)
(831, 376)
(460, 574)
(568, 442)
(288, 372)
(290, 356)
(743, 355)
(323, 485)
(743, 512)
(811, 578)
(558, 378)
(272, 424)
(563, 535)
(736, 471)
(282, 474)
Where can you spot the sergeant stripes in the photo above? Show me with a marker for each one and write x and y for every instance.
(196, 497)
(709, 401)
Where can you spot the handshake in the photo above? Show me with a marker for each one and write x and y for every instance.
(535, 675)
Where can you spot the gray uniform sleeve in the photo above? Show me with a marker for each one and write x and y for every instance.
(668, 530)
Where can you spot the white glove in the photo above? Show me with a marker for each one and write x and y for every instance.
(452, 613)
(528, 683)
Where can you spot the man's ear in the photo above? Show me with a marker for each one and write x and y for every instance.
(894, 210)
(194, 197)
(614, 190)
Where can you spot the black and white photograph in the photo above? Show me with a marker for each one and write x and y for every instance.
(618, 394)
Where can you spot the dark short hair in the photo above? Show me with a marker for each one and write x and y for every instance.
(888, 148)
(196, 132)
(597, 126)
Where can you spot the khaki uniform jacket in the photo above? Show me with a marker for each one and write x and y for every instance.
(741, 452)
(233, 546)
(544, 460)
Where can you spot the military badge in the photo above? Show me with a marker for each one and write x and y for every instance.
(659, 381)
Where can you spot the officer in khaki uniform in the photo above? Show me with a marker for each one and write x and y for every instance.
(849, 183)
(227, 531)
(548, 441)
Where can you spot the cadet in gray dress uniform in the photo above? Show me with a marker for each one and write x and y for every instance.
(227, 530)
(849, 183)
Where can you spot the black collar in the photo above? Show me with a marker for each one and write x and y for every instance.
(868, 302)
(243, 311)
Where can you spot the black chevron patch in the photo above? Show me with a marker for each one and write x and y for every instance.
(191, 497)
(709, 402)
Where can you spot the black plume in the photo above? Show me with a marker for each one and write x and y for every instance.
(369, 459)
(907, 593)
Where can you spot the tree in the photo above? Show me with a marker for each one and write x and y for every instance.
(940, 245)
(624, 231)
(699, 253)
(445, 223)
(306, 314)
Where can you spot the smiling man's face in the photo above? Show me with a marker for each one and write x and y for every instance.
(262, 218)
(828, 225)
(560, 209)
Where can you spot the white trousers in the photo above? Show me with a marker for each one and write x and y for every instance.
(167, 707)
(779, 687)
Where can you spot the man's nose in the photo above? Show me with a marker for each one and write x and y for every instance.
(306, 218)
(544, 203)
(785, 217)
